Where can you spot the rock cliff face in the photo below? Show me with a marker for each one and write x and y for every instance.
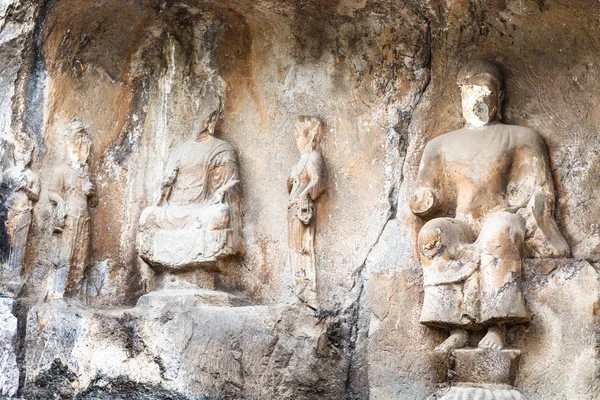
(381, 77)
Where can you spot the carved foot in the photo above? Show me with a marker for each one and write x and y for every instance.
(458, 338)
(494, 339)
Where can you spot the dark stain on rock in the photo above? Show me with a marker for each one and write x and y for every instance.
(53, 383)
(121, 388)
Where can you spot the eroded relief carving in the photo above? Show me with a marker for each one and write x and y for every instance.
(305, 185)
(69, 192)
(486, 191)
(197, 218)
(21, 189)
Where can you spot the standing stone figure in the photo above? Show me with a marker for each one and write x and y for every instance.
(305, 185)
(197, 218)
(21, 189)
(68, 192)
(487, 193)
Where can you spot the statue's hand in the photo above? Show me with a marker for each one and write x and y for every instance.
(219, 196)
(422, 202)
(169, 180)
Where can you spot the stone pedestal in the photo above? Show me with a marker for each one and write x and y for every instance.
(485, 366)
(481, 374)
(190, 298)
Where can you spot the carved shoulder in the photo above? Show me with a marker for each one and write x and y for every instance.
(524, 136)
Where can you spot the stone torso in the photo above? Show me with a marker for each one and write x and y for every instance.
(197, 161)
(71, 189)
(301, 173)
(17, 200)
(479, 165)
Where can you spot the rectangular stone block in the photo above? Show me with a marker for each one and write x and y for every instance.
(485, 366)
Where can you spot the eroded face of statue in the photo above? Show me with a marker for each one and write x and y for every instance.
(79, 148)
(304, 138)
(479, 104)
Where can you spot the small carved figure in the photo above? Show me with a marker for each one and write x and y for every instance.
(305, 185)
(487, 193)
(68, 193)
(21, 187)
(196, 220)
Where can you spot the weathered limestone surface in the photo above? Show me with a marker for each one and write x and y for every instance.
(380, 75)
(542, 60)
(188, 350)
(9, 370)
(562, 296)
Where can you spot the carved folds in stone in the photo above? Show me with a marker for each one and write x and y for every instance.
(69, 191)
(20, 191)
(487, 195)
(305, 185)
(197, 218)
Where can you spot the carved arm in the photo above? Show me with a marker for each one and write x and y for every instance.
(425, 201)
(32, 189)
(219, 194)
(542, 209)
(167, 183)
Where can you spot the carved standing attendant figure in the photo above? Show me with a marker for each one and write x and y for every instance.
(487, 193)
(305, 185)
(196, 220)
(68, 193)
(22, 189)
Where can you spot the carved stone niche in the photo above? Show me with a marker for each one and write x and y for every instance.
(487, 196)
(195, 225)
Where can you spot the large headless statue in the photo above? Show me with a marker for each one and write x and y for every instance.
(305, 185)
(21, 188)
(196, 220)
(487, 193)
(68, 192)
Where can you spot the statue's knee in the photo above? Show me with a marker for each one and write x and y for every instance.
(502, 228)
(217, 217)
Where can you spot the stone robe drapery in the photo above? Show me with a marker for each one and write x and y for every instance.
(302, 222)
(200, 220)
(72, 223)
(18, 214)
(486, 181)
(203, 168)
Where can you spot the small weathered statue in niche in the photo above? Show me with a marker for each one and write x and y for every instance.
(69, 192)
(21, 188)
(486, 191)
(197, 218)
(305, 185)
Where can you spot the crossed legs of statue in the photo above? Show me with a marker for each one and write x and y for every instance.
(473, 285)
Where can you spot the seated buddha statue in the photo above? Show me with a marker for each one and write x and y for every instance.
(196, 220)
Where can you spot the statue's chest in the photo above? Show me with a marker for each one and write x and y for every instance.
(478, 159)
(73, 184)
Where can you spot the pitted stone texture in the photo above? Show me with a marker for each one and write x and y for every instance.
(190, 298)
(560, 341)
(188, 350)
(486, 366)
(9, 370)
